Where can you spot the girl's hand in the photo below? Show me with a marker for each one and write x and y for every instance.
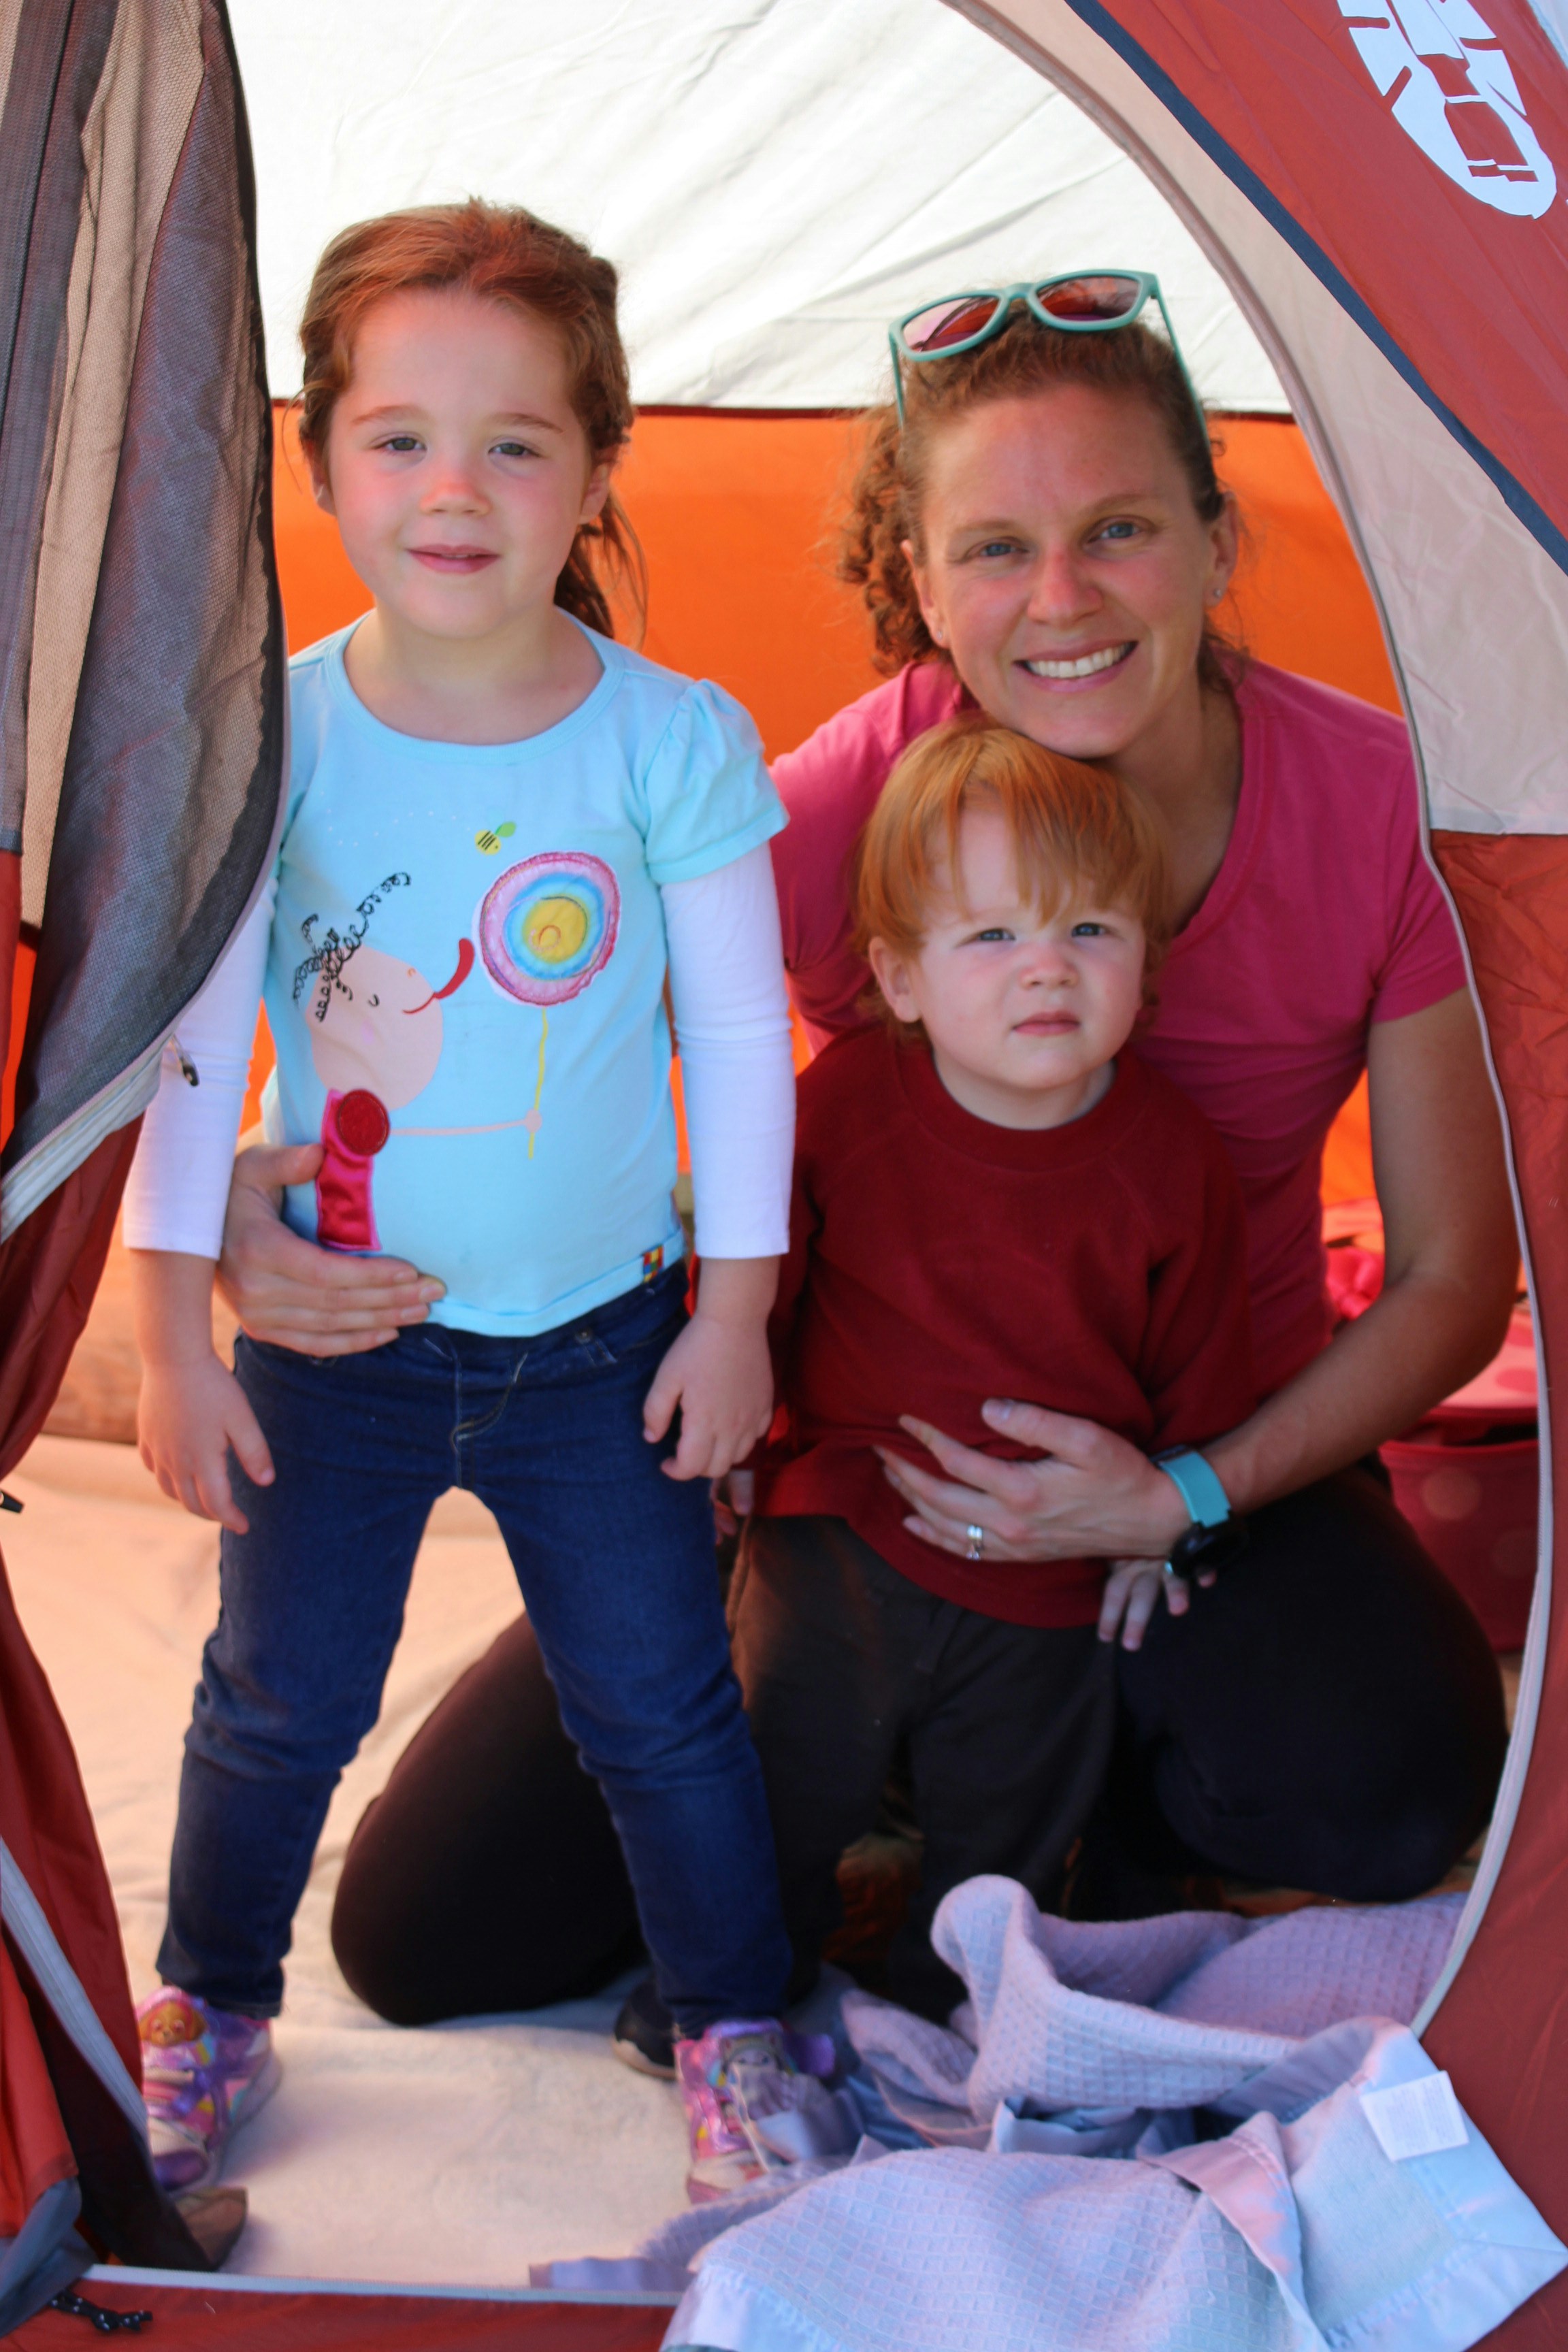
(1132, 1595)
(719, 1372)
(189, 1415)
(1094, 1497)
(192, 1409)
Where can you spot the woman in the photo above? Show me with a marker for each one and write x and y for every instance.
(1042, 534)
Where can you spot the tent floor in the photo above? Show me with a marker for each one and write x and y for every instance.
(300, 2317)
(457, 2153)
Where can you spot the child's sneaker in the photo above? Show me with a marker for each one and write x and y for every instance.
(204, 2071)
(752, 2098)
(643, 2036)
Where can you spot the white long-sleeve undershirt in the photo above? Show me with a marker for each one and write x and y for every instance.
(731, 1020)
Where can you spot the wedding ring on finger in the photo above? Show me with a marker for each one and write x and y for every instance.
(973, 1541)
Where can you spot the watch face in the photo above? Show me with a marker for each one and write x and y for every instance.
(1209, 1547)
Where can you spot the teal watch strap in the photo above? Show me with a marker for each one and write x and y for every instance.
(1200, 1489)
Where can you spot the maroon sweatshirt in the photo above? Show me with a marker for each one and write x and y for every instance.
(936, 1260)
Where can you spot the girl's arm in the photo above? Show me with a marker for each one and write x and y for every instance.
(192, 1409)
(1451, 1265)
(178, 1186)
(731, 1020)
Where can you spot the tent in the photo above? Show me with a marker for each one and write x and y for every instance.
(1364, 194)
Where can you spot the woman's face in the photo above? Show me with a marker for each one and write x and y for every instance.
(1066, 570)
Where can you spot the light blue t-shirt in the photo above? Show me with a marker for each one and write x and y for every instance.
(465, 983)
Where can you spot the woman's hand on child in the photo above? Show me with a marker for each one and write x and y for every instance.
(1093, 1496)
(719, 1372)
(287, 1290)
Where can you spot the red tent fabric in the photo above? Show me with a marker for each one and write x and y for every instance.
(1377, 180)
(213, 2319)
(1379, 183)
(141, 735)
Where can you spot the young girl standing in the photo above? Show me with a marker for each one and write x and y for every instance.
(501, 832)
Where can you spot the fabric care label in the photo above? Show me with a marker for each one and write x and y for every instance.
(1420, 2118)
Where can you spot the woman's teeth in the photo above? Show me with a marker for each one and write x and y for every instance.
(1084, 668)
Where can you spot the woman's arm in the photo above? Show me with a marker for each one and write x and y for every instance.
(1450, 1269)
(1451, 1266)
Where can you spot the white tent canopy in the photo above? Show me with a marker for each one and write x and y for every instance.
(921, 160)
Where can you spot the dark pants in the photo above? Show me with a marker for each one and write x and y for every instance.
(1002, 1733)
(616, 1562)
(1329, 1716)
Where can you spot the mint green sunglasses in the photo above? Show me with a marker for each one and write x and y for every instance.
(1094, 302)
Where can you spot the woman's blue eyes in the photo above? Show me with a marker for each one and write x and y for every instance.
(1118, 533)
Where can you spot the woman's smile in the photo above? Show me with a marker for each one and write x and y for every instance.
(1067, 574)
(1075, 671)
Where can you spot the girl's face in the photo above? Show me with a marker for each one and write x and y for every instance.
(456, 467)
(1026, 1012)
(1066, 570)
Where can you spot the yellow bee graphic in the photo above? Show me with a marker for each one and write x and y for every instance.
(490, 840)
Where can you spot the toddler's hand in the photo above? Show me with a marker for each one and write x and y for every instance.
(1131, 1594)
(719, 1372)
(189, 1415)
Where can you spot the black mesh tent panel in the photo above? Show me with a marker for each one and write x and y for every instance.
(142, 737)
(168, 795)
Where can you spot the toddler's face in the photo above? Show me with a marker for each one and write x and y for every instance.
(1024, 1011)
(457, 468)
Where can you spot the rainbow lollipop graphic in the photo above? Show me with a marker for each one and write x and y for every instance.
(545, 927)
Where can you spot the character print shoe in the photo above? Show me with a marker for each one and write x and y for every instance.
(204, 2071)
(753, 2102)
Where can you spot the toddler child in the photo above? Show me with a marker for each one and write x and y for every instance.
(501, 832)
(992, 1197)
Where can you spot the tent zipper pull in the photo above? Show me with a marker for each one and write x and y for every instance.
(188, 1070)
(97, 2316)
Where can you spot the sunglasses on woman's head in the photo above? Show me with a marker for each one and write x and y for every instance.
(1089, 302)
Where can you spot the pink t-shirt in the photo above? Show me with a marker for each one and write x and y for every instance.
(1323, 918)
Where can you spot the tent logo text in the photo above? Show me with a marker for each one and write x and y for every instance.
(1452, 90)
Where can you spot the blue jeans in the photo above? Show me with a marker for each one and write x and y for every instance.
(616, 1562)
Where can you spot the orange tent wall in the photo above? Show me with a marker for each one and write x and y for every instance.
(736, 515)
